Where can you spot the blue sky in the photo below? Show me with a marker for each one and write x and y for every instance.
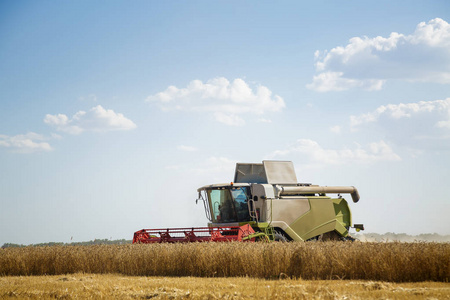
(113, 114)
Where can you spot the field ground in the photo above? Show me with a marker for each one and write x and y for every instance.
(110, 286)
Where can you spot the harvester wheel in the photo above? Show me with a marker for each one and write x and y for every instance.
(349, 238)
(329, 236)
(279, 237)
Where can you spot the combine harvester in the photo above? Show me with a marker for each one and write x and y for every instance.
(265, 203)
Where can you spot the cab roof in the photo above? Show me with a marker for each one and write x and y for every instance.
(222, 185)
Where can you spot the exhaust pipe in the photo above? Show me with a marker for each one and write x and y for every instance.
(295, 190)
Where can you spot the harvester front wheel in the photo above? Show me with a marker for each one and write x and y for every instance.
(330, 236)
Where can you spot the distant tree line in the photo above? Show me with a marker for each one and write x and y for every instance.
(365, 237)
(94, 242)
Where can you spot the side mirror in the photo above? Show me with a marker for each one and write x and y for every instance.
(199, 198)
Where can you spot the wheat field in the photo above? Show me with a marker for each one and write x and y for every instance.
(390, 262)
(115, 286)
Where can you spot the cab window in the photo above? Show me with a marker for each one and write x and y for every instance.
(229, 204)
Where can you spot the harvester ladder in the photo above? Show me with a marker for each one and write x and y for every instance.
(269, 232)
(252, 210)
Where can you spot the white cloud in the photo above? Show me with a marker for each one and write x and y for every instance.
(56, 136)
(187, 148)
(263, 120)
(334, 81)
(224, 99)
(229, 119)
(443, 124)
(367, 63)
(312, 152)
(423, 124)
(437, 110)
(336, 129)
(25, 143)
(96, 119)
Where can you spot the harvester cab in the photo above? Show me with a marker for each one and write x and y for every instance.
(267, 197)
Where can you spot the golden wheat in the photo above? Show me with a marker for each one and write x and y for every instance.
(114, 286)
(394, 262)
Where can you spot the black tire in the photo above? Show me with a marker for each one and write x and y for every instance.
(348, 238)
(330, 236)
